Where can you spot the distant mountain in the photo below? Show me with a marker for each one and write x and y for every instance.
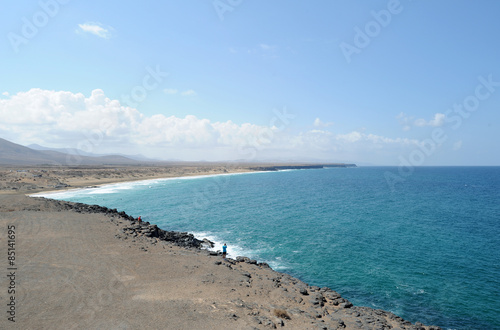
(15, 154)
(71, 151)
(79, 152)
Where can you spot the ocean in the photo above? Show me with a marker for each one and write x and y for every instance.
(426, 248)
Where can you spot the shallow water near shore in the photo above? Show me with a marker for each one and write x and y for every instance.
(428, 251)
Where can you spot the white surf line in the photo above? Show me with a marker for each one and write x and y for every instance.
(137, 183)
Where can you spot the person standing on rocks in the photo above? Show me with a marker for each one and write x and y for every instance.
(224, 251)
(139, 219)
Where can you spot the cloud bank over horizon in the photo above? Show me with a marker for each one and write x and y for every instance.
(99, 124)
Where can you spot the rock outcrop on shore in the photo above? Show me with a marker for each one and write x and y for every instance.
(265, 298)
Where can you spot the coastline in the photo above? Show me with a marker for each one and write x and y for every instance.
(139, 181)
(34, 179)
(262, 297)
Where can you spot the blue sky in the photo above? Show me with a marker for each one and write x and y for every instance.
(369, 82)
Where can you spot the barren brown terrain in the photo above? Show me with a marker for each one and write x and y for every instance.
(83, 267)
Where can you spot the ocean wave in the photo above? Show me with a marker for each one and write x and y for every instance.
(128, 185)
(234, 250)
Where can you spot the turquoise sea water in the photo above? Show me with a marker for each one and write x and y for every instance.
(428, 251)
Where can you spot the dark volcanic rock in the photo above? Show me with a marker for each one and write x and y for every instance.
(181, 239)
(242, 259)
(317, 299)
(143, 228)
(326, 306)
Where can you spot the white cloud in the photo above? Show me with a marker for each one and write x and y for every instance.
(263, 50)
(170, 91)
(65, 119)
(186, 132)
(457, 145)
(437, 121)
(266, 51)
(266, 47)
(97, 123)
(405, 121)
(408, 121)
(5, 93)
(189, 92)
(350, 137)
(319, 123)
(95, 29)
(173, 91)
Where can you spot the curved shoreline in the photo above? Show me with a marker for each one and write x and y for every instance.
(262, 291)
(319, 298)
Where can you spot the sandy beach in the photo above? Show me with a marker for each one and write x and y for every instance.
(79, 267)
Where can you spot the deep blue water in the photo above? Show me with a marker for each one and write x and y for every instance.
(428, 250)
